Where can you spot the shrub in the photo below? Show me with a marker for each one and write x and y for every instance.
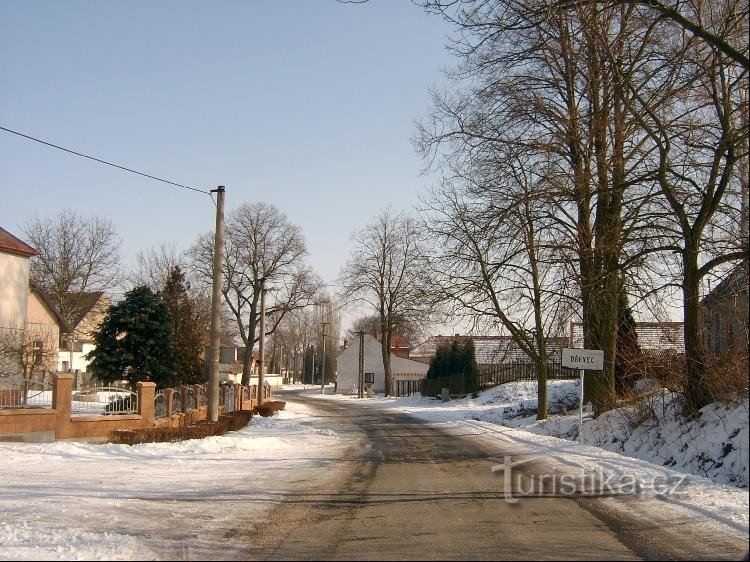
(269, 407)
(205, 428)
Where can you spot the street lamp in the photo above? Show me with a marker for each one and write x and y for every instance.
(71, 338)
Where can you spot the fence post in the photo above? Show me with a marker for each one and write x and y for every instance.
(62, 403)
(146, 393)
(169, 398)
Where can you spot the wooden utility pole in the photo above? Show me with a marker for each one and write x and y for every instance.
(262, 343)
(213, 377)
(323, 363)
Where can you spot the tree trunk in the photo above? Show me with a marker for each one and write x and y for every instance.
(698, 393)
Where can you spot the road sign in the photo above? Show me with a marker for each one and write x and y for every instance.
(589, 359)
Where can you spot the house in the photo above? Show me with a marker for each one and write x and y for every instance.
(44, 326)
(90, 310)
(347, 365)
(488, 350)
(14, 301)
(14, 281)
(725, 313)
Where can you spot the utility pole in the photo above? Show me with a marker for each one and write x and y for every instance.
(213, 377)
(361, 379)
(323, 363)
(262, 343)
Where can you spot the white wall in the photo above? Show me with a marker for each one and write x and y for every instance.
(79, 361)
(14, 291)
(347, 365)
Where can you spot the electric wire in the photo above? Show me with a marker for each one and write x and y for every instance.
(82, 155)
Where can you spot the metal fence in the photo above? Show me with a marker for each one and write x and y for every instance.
(28, 394)
(461, 383)
(408, 387)
(160, 405)
(104, 401)
(228, 398)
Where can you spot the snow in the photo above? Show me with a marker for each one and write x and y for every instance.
(697, 467)
(75, 500)
(82, 501)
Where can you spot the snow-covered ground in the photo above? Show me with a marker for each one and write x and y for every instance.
(68, 500)
(81, 501)
(698, 466)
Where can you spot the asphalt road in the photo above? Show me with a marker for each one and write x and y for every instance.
(406, 491)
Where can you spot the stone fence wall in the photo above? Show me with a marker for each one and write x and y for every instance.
(58, 423)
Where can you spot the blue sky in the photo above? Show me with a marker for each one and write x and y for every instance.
(307, 105)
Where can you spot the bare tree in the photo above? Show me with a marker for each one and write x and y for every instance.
(27, 354)
(495, 256)
(699, 128)
(541, 88)
(153, 266)
(261, 247)
(387, 270)
(77, 254)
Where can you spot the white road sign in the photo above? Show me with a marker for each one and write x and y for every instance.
(590, 359)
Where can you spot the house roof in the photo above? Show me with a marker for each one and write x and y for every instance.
(488, 350)
(734, 283)
(652, 336)
(12, 245)
(47, 302)
(83, 304)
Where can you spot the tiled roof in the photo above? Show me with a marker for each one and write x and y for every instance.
(82, 304)
(652, 336)
(12, 245)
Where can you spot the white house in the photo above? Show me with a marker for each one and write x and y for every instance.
(347, 366)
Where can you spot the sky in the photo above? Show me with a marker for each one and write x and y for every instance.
(108, 501)
(307, 105)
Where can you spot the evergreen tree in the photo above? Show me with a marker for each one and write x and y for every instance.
(186, 328)
(627, 358)
(470, 366)
(134, 342)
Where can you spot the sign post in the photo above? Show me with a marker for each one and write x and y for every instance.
(582, 359)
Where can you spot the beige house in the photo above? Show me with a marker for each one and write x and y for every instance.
(29, 325)
(91, 308)
(44, 326)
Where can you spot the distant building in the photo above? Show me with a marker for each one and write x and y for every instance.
(653, 337)
(90, 311)
(725, 313)
(347, 365)
(488, 350)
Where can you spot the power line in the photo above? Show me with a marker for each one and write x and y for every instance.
(104, 161)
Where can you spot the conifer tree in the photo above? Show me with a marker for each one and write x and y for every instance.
(135, 341)
(186, 328)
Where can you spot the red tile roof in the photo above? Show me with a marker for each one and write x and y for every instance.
(12, 245)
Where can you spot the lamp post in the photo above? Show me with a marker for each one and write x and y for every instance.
(71, 338)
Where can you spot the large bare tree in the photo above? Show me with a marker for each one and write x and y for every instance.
(77, 254)
(261, 247)
(387, 270)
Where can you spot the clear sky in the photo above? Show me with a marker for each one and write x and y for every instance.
(308, 105)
